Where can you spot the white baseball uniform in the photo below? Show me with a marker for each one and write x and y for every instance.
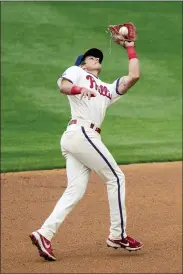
(84, 151)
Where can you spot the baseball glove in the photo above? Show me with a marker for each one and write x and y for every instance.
(118, 37)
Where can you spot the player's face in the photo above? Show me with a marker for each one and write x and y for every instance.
(92, 63)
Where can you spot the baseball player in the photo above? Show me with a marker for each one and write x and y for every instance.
(83, 149)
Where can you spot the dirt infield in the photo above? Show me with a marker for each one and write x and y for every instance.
(154, 207)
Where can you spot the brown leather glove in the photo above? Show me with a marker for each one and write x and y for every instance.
(119, 38)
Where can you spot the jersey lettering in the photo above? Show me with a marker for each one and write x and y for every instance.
(92, 81)
(93, 110)
(101, 89)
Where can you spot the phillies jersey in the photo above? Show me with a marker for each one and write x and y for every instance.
(92, 110)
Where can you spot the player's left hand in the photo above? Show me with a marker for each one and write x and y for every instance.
(118, 38)
(127, 44)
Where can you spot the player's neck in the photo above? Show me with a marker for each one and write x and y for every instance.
(94, 72)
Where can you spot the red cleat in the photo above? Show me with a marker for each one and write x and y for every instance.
(43, 245)
(127, 243)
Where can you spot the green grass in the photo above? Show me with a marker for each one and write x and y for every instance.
(41, 39)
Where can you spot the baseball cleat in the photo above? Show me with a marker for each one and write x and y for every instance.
(43, 245)
(127, 243)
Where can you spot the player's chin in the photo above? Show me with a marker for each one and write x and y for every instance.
(99, 67)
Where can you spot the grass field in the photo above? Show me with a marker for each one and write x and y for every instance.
(41, 39)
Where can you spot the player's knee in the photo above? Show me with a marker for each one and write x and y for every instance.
(75, 193)
(79, 195)
(120, 177)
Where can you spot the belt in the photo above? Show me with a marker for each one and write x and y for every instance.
(97, 129)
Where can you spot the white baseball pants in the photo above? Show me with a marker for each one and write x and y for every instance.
(84, 151)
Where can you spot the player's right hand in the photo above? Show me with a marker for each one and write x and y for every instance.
(87, 93)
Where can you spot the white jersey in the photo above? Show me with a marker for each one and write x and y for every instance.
(92, 110)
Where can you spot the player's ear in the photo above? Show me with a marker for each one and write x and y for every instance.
(82, 64)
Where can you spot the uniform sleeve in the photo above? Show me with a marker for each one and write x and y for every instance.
(114, 91)
(71, 74)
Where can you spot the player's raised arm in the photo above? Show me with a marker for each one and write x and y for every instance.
(133, 76)
(125, 36)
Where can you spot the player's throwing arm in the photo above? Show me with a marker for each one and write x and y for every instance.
(70, 89)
